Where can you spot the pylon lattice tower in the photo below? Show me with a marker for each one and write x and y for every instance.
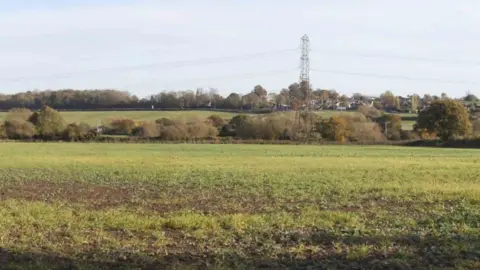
(305, 64)
(303, 123)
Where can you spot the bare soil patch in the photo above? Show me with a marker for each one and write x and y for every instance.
(94, 196)
(152, 198)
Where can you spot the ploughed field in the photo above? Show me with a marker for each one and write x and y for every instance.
(154, 206)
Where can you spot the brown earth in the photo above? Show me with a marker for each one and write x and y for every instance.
(152, 198)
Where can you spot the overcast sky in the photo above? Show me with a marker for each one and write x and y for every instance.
(145, 47)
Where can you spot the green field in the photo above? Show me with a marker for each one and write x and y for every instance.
(92, 118)
(107, 206)
(408, 125)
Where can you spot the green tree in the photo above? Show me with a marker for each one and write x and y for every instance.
(344, 100)
(470, 97)
(388, 100)
(79, 132)
(260, 91)
(447, 118)
(414, 103)
(240, 120)
(427, 99)
(333, 95)
(335, 129)
(358, 97)
(251, 101)
(398, 105)
(233, 101)
(48, 123)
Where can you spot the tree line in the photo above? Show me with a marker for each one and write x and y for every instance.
(289, 98)
(444, 119)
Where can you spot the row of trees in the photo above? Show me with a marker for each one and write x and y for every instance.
(444, 119)
(257, 98)
(45, 124)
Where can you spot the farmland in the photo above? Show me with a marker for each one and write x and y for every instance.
(93, 117)
(91, 206)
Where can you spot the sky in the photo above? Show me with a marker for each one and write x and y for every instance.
(145, 47)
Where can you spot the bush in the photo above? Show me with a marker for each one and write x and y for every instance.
(16, 125)
(48, 122)
(424, 134)
(266, 128)
(369, 112)
(3, 133)
(147, 130)
(201, 130)
(120, 127)
(217, 121)
(476, 127)
(19, 129)
(246, 129)
(237, 126)
(227, 130)
(335, 129)
(367, 132)
(393, 124)
(175, 130)
(239, 120)
(352, 122)
(79, 132)
(21, 114)
(409, 135)
(165, 122)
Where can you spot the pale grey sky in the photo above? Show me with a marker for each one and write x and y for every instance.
(52, 44)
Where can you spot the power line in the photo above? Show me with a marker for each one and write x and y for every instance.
(235, 75)
(91, 57)
(80, 58)
(383, 76)
(397, 57)
(185, 63)
(173, 64)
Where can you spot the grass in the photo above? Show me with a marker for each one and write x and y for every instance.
(407, 115)
(94, 206)
(408, 125)
(92, 118)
